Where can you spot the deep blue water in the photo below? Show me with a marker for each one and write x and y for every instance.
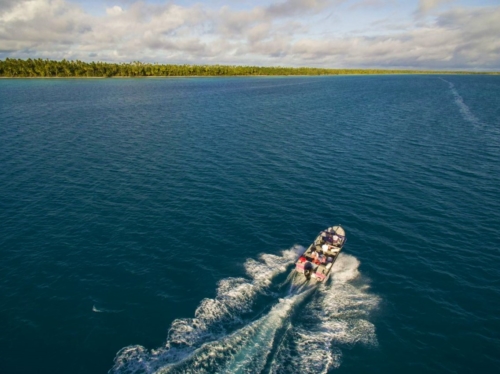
(128, 207)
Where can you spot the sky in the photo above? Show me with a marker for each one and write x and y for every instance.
(410, 34)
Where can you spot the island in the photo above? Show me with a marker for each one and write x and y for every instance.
(40, 68)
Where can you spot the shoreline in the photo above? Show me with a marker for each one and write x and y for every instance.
(260, 75)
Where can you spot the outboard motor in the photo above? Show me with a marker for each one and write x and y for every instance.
(308, 268)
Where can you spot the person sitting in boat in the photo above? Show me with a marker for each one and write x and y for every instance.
(322, 258)
(327, 239)
(315, 257)
(335, 239)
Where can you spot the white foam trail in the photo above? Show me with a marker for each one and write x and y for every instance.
(306, 352)
(298, 282)
(103, 310)
(336, 317)
(274, 265)
(345, 268)
(244, 351)
(464, 109)
(235, 296)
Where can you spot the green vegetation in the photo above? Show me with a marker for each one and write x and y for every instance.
(47, 68)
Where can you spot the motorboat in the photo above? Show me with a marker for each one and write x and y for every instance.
(317, 261)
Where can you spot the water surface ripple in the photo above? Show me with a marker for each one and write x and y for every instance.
(154, 221)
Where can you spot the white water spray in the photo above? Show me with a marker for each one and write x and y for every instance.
(308, 322)
(334, 318)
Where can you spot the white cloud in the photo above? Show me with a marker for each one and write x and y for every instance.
(278, 34)
(26, 10)
(424, 6)
(296, 7)
(114, 11)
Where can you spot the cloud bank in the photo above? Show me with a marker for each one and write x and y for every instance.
(436, 34)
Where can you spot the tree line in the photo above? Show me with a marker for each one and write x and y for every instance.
(74, 68)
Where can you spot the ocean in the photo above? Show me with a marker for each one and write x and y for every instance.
(151, 225)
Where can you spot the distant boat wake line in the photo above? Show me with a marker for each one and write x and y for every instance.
(464, 109)
(95, 309)
(220, 339)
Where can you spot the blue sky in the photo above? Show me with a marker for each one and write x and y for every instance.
(421, 34)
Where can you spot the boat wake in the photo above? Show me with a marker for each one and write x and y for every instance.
(464, 109)
(96, 309)
(298, 322)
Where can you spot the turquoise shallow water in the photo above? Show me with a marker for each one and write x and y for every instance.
(149, 225)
